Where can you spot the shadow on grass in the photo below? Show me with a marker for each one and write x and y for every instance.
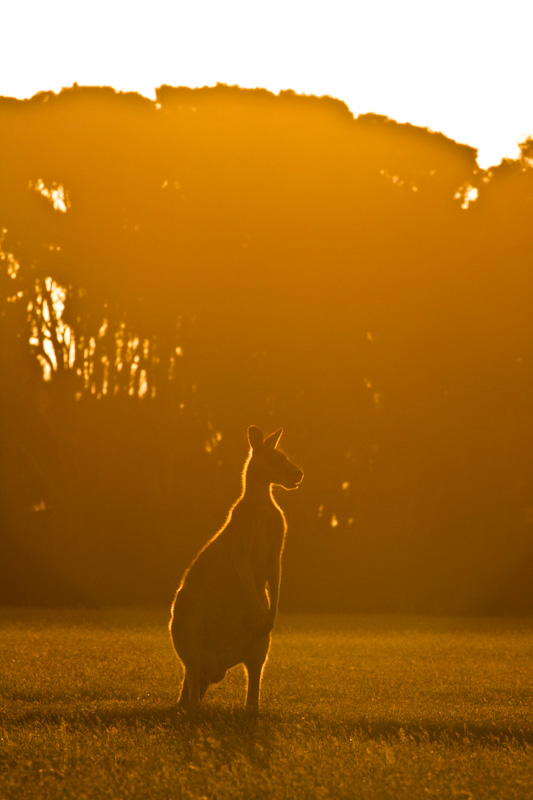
(236, 722)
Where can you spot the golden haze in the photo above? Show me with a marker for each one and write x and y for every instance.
(173, 270)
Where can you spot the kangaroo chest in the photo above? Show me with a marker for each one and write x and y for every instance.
(267, 534)
(260, 532)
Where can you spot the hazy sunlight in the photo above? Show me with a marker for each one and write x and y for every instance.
(462, 69)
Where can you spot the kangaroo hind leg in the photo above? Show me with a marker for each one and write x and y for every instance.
(254, 663)
(193, 688)
(184, 694)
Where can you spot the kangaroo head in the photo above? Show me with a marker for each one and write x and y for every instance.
(268, 464)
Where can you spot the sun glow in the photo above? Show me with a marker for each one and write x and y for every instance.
(464, 71)
(56, 194)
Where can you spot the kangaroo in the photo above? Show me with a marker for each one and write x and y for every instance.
(227, 601)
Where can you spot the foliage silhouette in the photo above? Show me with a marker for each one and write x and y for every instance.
(177, 268)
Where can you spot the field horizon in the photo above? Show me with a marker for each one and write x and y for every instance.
(352, 706)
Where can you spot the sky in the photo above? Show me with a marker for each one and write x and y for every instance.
(462, 67)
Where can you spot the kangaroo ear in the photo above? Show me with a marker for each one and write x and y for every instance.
(273, 439)
(255, 437)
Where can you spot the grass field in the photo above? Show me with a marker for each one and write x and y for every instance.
(353, 707)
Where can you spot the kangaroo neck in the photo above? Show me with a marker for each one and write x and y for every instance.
(257, 492)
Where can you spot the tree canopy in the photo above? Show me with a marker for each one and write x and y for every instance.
(173, 271)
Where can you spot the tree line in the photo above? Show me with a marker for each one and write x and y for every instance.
(173, 271)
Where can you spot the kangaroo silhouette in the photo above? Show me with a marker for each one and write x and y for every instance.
(227, 601)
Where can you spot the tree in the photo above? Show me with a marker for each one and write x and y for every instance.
(174, 271)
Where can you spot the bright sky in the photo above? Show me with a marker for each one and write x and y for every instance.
(462, 67)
